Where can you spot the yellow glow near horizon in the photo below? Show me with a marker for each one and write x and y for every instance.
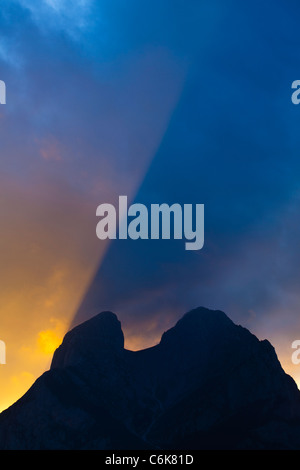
(49, 340)
(44, 275)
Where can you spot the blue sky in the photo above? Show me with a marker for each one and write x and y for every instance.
(231, 143)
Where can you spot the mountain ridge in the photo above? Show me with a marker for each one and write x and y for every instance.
(208, 384)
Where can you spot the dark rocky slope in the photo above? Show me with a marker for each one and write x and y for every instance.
(209, 384)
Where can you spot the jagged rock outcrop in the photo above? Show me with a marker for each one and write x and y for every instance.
(208, 384)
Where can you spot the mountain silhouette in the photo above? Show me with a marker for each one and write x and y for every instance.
(208, 384)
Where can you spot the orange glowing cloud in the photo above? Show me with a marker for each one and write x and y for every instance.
(49, 340)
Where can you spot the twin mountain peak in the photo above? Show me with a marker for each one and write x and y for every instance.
(208, 384)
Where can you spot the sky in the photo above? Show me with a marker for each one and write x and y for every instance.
(165, 102)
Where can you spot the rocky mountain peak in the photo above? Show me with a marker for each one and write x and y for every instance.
(89, 341)
(209, 384)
